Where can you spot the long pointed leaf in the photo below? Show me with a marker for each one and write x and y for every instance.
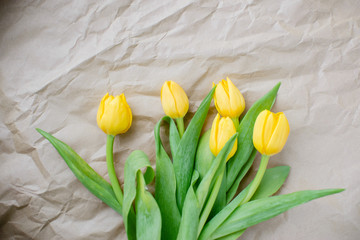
(232, 191)
(174, 135)
(183, 159)
(272, 181)
(211, 200)
(210, 177)
(84, 173)
(190, 214)
(245, 144)
(216, 221)
(219, 218)
(165, 183)
(204, 156)
(232, 236)
(220, 201)
(263, 209)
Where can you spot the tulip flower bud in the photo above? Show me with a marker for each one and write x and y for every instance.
(221, 131)
(174, 100)
(270, 132)
(229, 101)
(114, 115)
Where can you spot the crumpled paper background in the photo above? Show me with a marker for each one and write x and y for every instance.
(58, 58)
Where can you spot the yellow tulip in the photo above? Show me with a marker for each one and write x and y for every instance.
(114, 115)
(229, 101)
(270, 132)
(221, 131)
(174, 100)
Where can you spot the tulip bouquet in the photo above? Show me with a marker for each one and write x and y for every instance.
(196, 183)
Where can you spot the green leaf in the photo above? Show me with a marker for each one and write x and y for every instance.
(263, 209)
(273, 179)
(232, 236)
(211, 200)
(245, 144)
(204, 156)
(220, 201)
(134, 163)
(190, 213)
(165, 183)
(215, 222)
(174, 136)
(212, 181)
(184, 157)
(207, 182)
(232, 191)
(148, 217)
(84, 173)
(219, 218)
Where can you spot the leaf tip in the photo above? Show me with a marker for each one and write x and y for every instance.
(332, 191)
(42, 132)
(277, 86)
(287, 168)
(339, 190)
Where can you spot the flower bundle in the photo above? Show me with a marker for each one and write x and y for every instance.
(196, 185)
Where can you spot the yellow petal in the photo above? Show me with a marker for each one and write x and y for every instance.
(237, 101)
(174, 100)
(122, 116)
(226, 87)
(279, 136)
(101, 109)
(213, 135)
(226, 131)
(258, 131)
(127, 112)
(222, 100)
(181, 99)
(269, 127)
(168, 101)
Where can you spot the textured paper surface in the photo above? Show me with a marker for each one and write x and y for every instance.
(58, 58)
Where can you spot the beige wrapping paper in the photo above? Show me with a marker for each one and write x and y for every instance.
(58, 58)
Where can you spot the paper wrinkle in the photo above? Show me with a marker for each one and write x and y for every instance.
(58, 60)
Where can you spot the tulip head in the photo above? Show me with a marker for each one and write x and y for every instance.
(114, 115)
(174, 100)
(229, 101)
(221, 131)
(270, 132)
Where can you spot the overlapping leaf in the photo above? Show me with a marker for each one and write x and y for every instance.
(148, 217)
(232, 191)
(183, 159)
(210, 177)
(165, 182)
(190, 214)
(136, 161)
(271, 183)
(263, 209)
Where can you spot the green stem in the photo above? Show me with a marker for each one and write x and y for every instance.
(236, 123)
(110, 165)
(180, 125)
(259, 175)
